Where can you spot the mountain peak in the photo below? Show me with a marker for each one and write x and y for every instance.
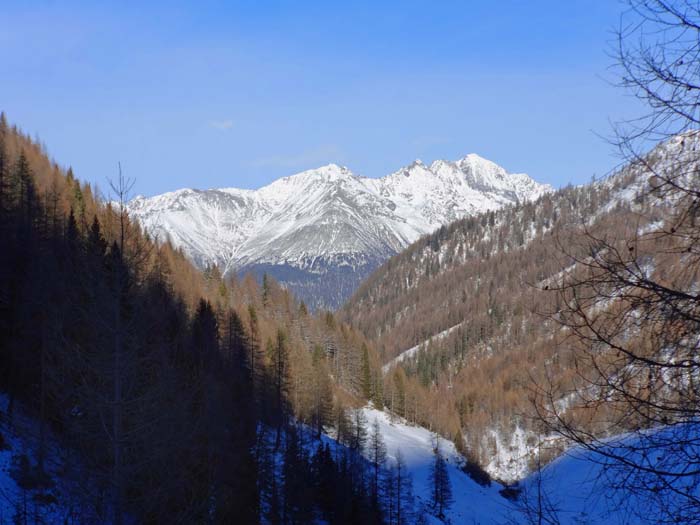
(332, 166)
(329, 171)
(473, 161)
(327, 223)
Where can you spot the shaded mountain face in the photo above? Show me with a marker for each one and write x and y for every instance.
(322, 231)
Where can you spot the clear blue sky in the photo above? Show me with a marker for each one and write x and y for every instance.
(215, 94)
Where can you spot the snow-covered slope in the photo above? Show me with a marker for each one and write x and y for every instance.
(473, 503)
(577, 488)
(65, 492)
(321, 231)
(582, 486)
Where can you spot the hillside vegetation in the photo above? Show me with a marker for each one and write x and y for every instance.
(485, 284)
(176, 395)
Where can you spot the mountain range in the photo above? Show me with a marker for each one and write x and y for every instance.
(322, 231)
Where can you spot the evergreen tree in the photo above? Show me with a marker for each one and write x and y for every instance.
(4, 168)
(24, 194)
(79, 201)
(398, 493)
(378, 392)
(441, 486)
(96, 244)
(377, 457)
(238, 470)
(389, 495)
(325, 476)
(343, 426)
(359, 432)
(280, 371)
(323, 392)
(265, 289)
(398, 393)
(404, 492)
(297, 507)
(254, 361)
(366, 379)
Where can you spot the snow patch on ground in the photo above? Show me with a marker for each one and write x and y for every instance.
(512, 458)
(63, 498)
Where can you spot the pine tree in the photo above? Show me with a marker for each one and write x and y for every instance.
(237, 342)
(96, 244)
(343, 425)
(325, 480)
(378, 391)
(404, 492)
(323, 392)
(205, 330)
(377, 457)
(366, 378)
(24, 193)
(265, 290)
(3, 174)
(79, 201)
(389, 495)
(254, 361)
(398, 401)
(238, 469)
(280, 364)
(297, 508)
(359, 431)
(441, 486)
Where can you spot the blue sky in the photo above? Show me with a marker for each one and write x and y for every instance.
(216, 94)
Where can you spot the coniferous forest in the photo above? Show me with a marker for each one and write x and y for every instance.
(178, 397)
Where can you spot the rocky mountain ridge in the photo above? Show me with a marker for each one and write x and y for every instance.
(321, 231)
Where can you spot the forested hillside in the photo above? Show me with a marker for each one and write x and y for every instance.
(178, 396)
(475, 304)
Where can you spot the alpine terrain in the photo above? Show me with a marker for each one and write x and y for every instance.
(469, 319)
(320, 232)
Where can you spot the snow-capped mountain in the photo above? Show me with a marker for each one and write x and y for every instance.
(320, 232)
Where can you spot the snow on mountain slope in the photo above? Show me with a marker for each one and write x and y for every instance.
(61, 494)
(407, 354)
(473, 503)
(321, 231)
(581, 486)
(576, 488)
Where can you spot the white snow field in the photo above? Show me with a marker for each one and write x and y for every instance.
(473, 504)
(580, 485)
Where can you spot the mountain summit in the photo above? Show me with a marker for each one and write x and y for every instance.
(321, 231)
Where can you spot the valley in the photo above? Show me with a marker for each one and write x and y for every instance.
(445, 343)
